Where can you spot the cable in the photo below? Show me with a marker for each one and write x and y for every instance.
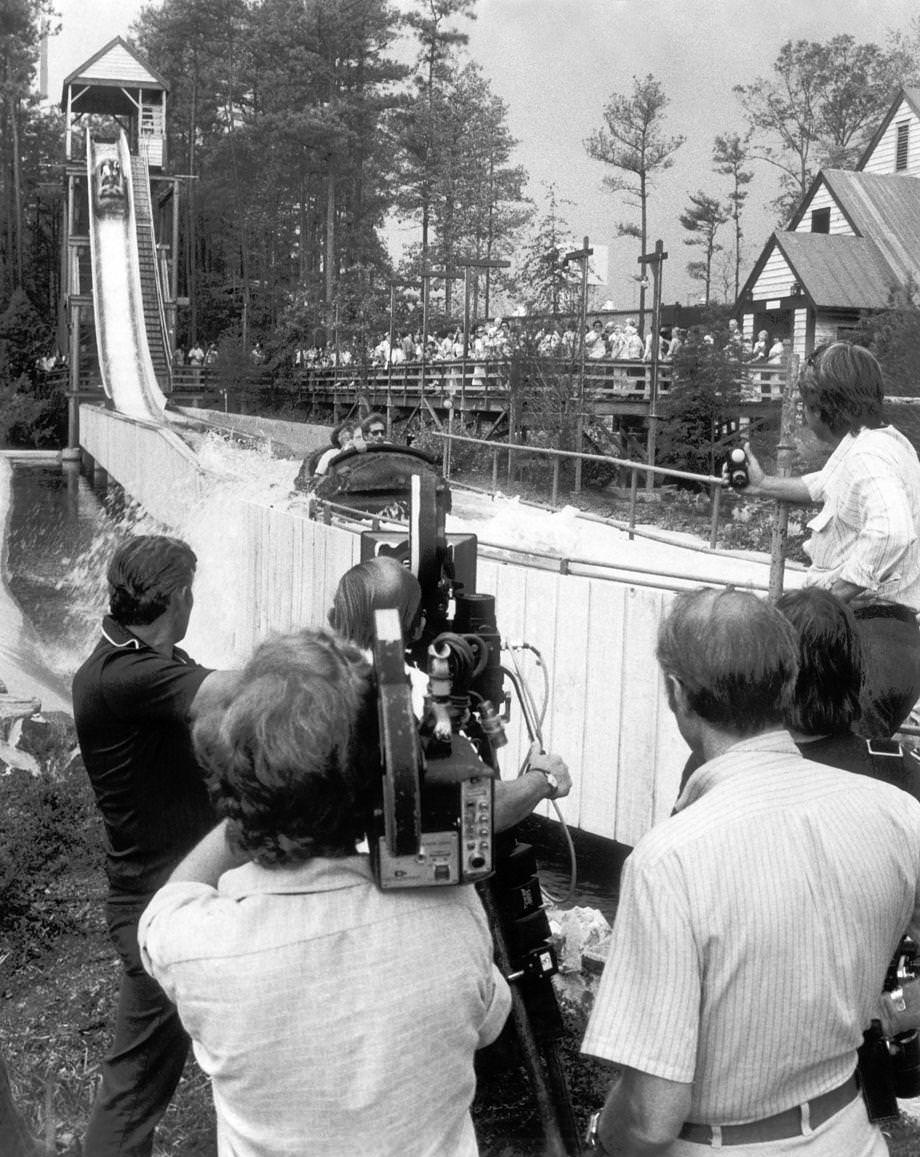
(533, 721)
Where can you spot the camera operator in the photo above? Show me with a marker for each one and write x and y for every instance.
(385, 582)
(331, 1017)
(756, 924)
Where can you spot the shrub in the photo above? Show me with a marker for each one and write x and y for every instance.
(48, 823)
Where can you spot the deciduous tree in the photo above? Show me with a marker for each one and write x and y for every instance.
(819, 108)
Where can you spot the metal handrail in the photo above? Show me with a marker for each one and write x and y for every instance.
(635, 468)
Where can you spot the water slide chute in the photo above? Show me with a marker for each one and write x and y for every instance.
(128, 376)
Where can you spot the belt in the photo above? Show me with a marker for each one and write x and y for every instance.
(789, 1123)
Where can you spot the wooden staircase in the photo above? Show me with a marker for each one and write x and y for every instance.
(147, 257)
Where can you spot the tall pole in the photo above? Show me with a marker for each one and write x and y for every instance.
(466, 314)
(655, 260)
(785, 452)
(581, 255)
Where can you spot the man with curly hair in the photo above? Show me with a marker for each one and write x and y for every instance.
(331, 1017)
(133, 701)
(865, 541)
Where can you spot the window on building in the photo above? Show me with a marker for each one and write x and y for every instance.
(820, 220)
(900, 156)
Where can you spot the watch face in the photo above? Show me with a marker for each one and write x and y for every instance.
(552, 781)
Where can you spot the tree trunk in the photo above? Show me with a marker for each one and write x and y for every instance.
(330, 237)
(17, 186)
(191, 242)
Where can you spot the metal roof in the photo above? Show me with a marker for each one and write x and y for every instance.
(838, 271)
(885, 207)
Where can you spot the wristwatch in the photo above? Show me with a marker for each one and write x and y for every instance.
(550, 779)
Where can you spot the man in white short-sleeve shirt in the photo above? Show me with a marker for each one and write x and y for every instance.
(756, 924)
(865, 541)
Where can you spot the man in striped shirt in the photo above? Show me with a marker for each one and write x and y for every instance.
(756, 924)
(865, 542)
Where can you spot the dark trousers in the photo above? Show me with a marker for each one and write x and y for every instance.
(140, 1074)
(891, 654)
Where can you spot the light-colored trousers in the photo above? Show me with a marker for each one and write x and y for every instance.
(846, 1134)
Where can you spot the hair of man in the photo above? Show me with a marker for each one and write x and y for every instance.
(340, 431)
(143, 575)
(826, 696)
(370, 586)
(289, 750)
(843, 384)
(735, 656)
(373, 419)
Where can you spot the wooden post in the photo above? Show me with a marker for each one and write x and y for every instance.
(583, 256)
(784, 454)
(655, 261)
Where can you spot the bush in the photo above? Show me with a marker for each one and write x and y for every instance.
(48, 823)
(701, 409)
(33, 416)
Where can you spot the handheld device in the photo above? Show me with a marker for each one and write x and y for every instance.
(737, 469)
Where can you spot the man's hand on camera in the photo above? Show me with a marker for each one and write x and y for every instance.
(546, 777)
(899, 1011)
(551, 765)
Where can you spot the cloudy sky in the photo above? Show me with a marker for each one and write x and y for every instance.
(557, 62)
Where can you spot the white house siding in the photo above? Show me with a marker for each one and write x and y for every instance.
(882, 157)
(822, 199)
(799, 334)
(118, 64)
(775, 278)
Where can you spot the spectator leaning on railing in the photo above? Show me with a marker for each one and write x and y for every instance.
(865, 542)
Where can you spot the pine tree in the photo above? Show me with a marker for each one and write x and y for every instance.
(729, 156)
(703, 219)
(633, 141)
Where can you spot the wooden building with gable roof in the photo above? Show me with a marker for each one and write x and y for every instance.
(853, 245)
(117, 82)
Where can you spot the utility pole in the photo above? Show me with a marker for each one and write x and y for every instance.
(426, 277)
(654, 260)
(583, 255)
(395, 284)
(466, 264)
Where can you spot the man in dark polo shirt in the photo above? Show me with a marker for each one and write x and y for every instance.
(133, 700)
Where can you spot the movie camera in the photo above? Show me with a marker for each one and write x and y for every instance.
(435, 822)
(890, 1068)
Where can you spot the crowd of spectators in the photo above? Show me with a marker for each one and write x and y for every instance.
(498, 338)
